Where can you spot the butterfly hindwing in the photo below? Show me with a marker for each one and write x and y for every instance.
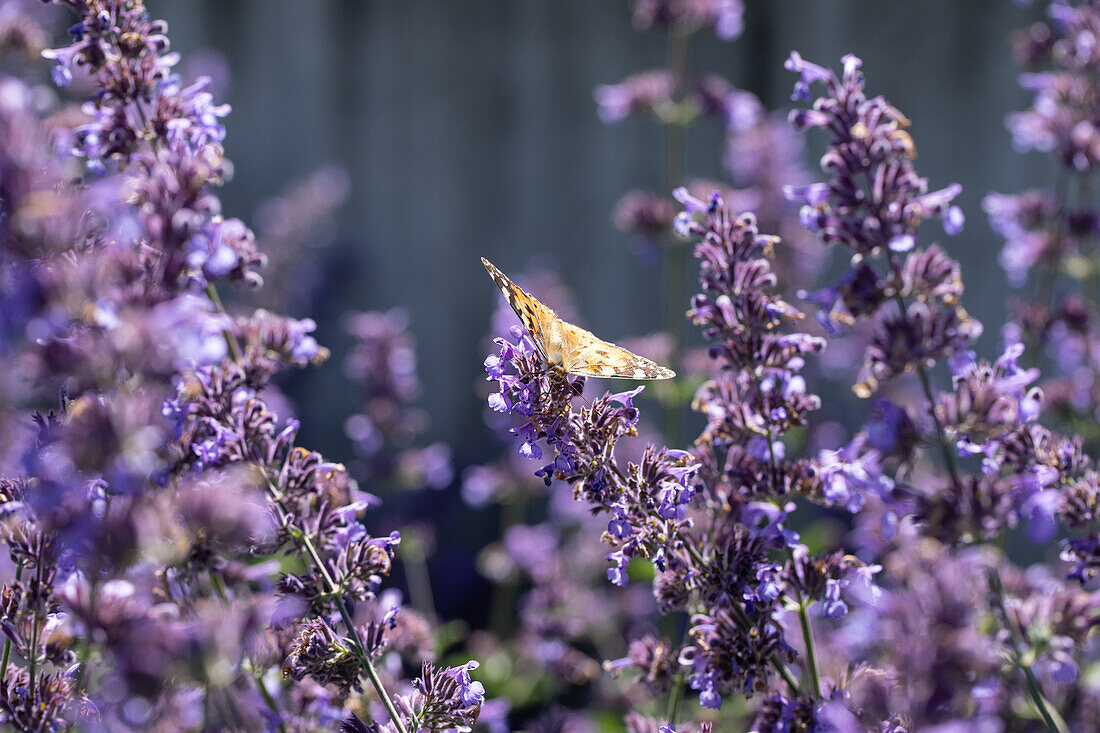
(583, 353)
(590, 356)
(534, 316)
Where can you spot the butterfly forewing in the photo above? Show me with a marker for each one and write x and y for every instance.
(534, 316)
(582, 353)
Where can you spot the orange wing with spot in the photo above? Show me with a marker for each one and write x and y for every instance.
(585, 355)
(590, 356)
(534, 316)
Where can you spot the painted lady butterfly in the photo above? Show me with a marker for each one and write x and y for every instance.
(570, 348)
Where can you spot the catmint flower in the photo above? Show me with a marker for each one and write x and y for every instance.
(883, 224)
(647, 92)
(445, 698)
(778, 713)
(648, 214)
(760, 391)
(953, 221)
(470, 692)
(757, 398)
(874, 135)
(164, 483)
(319, 652)
(382, 365)
(654, 659)
(833, 606)
(688, 16)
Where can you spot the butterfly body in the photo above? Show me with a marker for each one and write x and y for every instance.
(569, 348)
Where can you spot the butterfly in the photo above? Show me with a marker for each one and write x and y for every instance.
(570, 348)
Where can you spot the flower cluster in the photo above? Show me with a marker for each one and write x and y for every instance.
(688, 16)
(927, 483)
(138, 99)
(1061, 61)
(758, 395)
(658, 506)
(567, 612)
(645, 503)
(291, 229)
(873, 205)
(996, 468)
(1050, 233)
(177, 561)
(382, 365)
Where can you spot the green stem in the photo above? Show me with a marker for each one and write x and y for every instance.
(306, 544)
(32, 652)
(674, 252)
(230, 338)
(7, 640)
(37, 620)
(504, 593)
(270, 702)
(1051, 720)
(85, 642)
(420, 582)
(808, 640)
(926, 386)
(377, 682)
(675, 697)
(219, 586)
(358, 648)
(941, 434)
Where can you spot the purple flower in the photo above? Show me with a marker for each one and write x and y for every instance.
(953, 221)
(470, 692)
(617, 573)
(687, 16)
(65, 57)
(833, 606)
(809, 74)
(646, 93)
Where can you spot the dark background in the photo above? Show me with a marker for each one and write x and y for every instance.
(468, 128)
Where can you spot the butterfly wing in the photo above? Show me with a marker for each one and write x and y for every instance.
(535, 317)
(582, 353)
(586, 355)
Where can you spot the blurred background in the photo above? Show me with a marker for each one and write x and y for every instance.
(469, 128)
